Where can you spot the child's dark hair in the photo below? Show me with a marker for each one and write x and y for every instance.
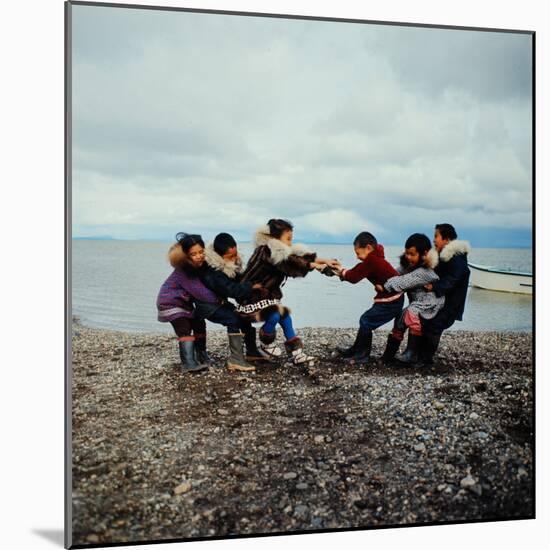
(177, 255)
(447, 231)
(186, 241)
(363, 239)
(277, 227)
(223, 242)
(422, 244)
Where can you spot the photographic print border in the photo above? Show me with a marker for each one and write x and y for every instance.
(68, 253)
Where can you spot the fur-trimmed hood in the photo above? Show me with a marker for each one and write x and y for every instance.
(453, 248)
(432, 258)
(430, 261)
(279, 250)
(214, 260)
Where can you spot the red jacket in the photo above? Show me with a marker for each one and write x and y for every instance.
(377, 270)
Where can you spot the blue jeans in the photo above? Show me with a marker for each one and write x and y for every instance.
(380, 314)
(285, 322)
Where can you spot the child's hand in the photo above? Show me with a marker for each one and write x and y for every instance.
(334, 264)
(379, 288)
(429, 287)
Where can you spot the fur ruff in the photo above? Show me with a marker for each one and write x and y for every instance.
(432, 258)
(214, 260)
(279, 250)
(453, 248)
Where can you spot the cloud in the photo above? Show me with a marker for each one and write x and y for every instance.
(206, 123)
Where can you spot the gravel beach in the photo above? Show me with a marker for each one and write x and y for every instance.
(161, 455)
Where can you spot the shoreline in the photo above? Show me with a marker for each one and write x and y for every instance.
(160, 455)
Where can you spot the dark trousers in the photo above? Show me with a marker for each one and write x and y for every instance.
(221, 314)
(184, 326)
(442, 321)
(380, 314)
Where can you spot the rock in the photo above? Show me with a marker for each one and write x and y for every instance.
(302, 486)
(467, 482)
(438, 405)
(319, 439)
(94, 539)
(223, 412)
(420, 448)
(474, 416)
(301, 511)
(317, 522)
(290, 475)
(182, 488)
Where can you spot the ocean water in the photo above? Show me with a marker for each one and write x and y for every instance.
(115, 285)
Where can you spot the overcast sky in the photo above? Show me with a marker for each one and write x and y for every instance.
(206, 123)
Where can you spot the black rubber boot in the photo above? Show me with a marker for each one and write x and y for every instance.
(187, 356)
(430, 343)
(392, 346)
(236, 361)
(353, 349)
(363, 346)
(411, 355)
(201, 355)
(252, 351)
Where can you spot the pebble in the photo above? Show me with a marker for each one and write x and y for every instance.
(319, 439)
(302, 486)
(420, 448)
(467, 482)
(290, 475)
(223, 412)
(182, 488)
(301, 511)
(474, 416)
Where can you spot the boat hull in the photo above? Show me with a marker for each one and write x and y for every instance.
(501, 281)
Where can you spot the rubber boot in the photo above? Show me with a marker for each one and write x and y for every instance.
(430, 343)
(187, 356)
(351, 351)
(294, 348)
(236, 361)
(363, 346)
(201, 355)
(252, 351)
(411, 354)
(392, 345)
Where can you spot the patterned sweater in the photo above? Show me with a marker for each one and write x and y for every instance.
(421, 301)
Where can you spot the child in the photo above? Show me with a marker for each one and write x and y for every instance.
(454, 275)
(274, 259)
(417, 265)
(184, 289)
(387, 305)
(226, 266)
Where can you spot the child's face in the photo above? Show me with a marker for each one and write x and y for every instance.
(286, 237)
(231, 254)
(362, 253)
(196, 255)
(439, 241)
(412, 256)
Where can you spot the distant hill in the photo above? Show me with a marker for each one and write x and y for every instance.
(93, 238)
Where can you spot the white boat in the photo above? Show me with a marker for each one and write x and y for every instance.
(501, 280)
